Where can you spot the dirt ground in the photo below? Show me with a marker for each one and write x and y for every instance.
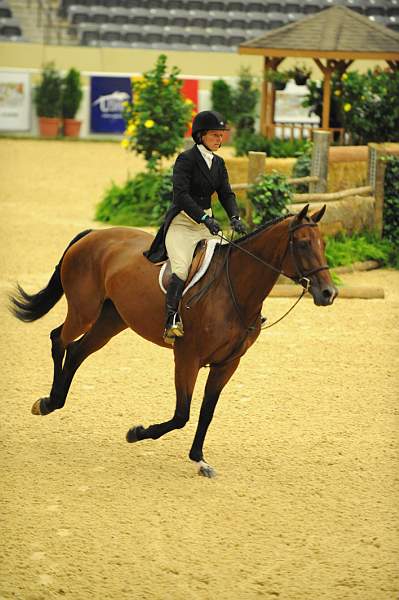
(304, 440)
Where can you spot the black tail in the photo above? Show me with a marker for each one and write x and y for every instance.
(30, 307)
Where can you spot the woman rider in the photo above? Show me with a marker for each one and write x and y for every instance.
(197, 174)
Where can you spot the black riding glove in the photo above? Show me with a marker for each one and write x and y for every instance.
(212, 225)
(237, 225)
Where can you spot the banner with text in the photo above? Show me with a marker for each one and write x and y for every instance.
(15, 101)
(106, 97)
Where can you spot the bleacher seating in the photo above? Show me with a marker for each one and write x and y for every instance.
(10, 29)
(199, 24)
(5, 10)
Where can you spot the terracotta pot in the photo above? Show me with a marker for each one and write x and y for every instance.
(72, 127)
(49, 126)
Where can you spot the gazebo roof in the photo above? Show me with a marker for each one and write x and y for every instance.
(336, 32)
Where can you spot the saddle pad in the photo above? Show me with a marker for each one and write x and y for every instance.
(209, 251)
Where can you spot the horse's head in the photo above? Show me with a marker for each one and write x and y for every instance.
(305, 261)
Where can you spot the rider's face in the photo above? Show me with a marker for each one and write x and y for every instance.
(212, 139)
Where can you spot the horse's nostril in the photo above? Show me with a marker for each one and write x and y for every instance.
(327, 293)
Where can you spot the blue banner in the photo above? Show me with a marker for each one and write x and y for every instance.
(106, 97)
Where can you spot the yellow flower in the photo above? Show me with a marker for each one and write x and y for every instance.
(136, 78)
(149, 123)
(347, 107)
(131, 129)
(337, 92)
(344, 76)
(125, 143)
(125, 103)
(188, 101)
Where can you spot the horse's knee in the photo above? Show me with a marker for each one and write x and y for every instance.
(180, 421)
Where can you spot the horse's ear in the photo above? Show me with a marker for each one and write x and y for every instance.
(301, 215)
(318, 214)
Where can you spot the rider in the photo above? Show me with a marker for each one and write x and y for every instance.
(197, 174)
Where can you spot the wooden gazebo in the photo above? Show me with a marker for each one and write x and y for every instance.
(337, 36)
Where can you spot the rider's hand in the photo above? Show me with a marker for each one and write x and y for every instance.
(237, 225)
(212, 225)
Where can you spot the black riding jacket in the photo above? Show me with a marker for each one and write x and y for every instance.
(193, 185)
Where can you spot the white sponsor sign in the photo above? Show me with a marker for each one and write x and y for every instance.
(15, 101)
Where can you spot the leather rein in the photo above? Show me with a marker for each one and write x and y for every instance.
(300, 277)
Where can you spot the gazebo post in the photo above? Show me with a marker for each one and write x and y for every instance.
(332, 65)
(268, 98)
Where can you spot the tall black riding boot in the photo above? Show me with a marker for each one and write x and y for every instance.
(173, 325)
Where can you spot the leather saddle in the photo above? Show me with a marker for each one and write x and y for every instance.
(198, 259)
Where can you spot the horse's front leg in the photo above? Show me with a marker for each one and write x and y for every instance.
(186, 371)
(217, 379)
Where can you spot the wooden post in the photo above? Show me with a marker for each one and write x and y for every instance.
(268, 98)
(256, 168)
(379, 195)
(325, 121)
(376, 177)
(319, 166)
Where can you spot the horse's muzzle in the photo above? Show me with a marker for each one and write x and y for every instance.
(323, 295)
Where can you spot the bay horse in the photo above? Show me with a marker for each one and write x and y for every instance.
(109, 286)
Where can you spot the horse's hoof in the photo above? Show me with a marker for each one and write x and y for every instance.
(36, 408)
(133, 435)
(40, 408)
(206, 470)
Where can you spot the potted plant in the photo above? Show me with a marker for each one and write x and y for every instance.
(300, 74)
(278, 78)
(48, 101)
(71, 99)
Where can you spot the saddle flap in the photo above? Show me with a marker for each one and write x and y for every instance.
(202, 258)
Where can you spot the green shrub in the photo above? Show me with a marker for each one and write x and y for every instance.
(391, 205)
(140, 201)
(344, 250)
(48, 93)
(269, 197)
(158, 117)
(247, 141)
(71, 94)
(244, 100)
(222, 99)
(365, 104)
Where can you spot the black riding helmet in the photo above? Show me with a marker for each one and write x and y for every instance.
(206, 120)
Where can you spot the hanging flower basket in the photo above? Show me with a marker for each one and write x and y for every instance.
(300, 74)
(278, 78)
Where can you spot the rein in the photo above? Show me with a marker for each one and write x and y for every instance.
(300, 277)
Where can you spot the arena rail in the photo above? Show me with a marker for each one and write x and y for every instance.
(319, 174)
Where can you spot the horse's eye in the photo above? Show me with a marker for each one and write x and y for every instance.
(303, 244)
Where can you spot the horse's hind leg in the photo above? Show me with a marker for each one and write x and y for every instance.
(108, 324)
(43, 405)
(186, 371)
(217, 379)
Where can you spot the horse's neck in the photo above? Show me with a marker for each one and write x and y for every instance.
(252, 280)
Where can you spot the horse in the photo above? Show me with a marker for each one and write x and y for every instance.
(109, 285)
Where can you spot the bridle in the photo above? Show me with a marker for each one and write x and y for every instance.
(299, 277)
